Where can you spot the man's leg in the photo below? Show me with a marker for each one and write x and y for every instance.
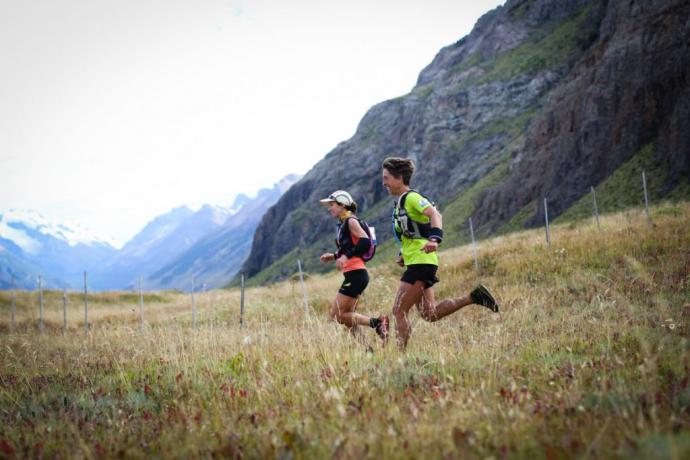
(430, 311)
(408, 295)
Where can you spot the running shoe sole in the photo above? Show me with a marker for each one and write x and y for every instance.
(382, 328)
(481, 296)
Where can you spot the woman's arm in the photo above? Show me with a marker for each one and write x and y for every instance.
(363, 241)
(356, 229)
(327, 257)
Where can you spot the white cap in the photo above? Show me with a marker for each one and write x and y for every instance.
(340, 197)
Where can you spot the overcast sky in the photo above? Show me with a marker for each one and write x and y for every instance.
(113, 112)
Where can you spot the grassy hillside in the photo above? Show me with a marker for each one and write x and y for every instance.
(589, 358)
(624, 188)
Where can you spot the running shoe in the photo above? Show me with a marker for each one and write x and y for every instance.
(481, 296)
(382, 328)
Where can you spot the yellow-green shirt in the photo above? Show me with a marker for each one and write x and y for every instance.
(412, 253)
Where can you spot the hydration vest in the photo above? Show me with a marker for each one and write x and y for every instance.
(404, 225)
(343, 239)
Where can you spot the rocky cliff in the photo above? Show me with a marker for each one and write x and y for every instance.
(630, 89)
(543, 97)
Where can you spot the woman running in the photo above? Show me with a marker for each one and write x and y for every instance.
(419, 227)
(352, 243)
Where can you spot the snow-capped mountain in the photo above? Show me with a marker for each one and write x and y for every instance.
(18, 224)
(215, 259)
(210, 243)
(31, 244)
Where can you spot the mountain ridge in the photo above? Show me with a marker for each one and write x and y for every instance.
(472, 124)
(31, 245)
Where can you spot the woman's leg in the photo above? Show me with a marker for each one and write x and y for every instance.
(343, 311)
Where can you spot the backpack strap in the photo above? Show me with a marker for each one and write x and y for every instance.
(342, 236)
(408, 227)
(347, 246)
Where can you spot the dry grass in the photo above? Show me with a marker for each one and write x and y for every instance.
(588, 359)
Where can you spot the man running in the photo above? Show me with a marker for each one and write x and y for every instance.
(418, 224)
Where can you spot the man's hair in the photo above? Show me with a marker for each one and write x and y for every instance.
(399, 167)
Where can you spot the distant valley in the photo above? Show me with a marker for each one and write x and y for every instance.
(209, 245)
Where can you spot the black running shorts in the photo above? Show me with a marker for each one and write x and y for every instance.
(355, 283)
(421, 272)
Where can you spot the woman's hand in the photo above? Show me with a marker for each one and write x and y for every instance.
(327, 257)
(340, 262)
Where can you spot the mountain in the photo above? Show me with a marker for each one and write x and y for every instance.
(543, 98)
(154, 232)
(215, 258)
(210, 244)
(627, 97)
(30, 245)
(160, 241)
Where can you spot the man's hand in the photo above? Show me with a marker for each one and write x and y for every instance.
(340, 262)
(327, 257)
(400, 261)
(430, 246)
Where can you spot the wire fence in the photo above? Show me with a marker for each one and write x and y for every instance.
(66, 296)
(547, 223)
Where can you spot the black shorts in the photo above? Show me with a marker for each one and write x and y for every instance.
(355, 283)
(421, 272)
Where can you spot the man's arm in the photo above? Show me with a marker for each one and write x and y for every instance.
(436, 221)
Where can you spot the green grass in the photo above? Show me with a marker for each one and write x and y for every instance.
(589, 358)
(24, 299)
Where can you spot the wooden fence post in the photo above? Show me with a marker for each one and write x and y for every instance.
(596, 208)
(64, 311)
(141, 307)
(474, 247)
(241, 300)
(13, 324)
(193, 306)
(546, 218)
(304, 289)
(41, 325)
(646, 200)
(86, 305)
